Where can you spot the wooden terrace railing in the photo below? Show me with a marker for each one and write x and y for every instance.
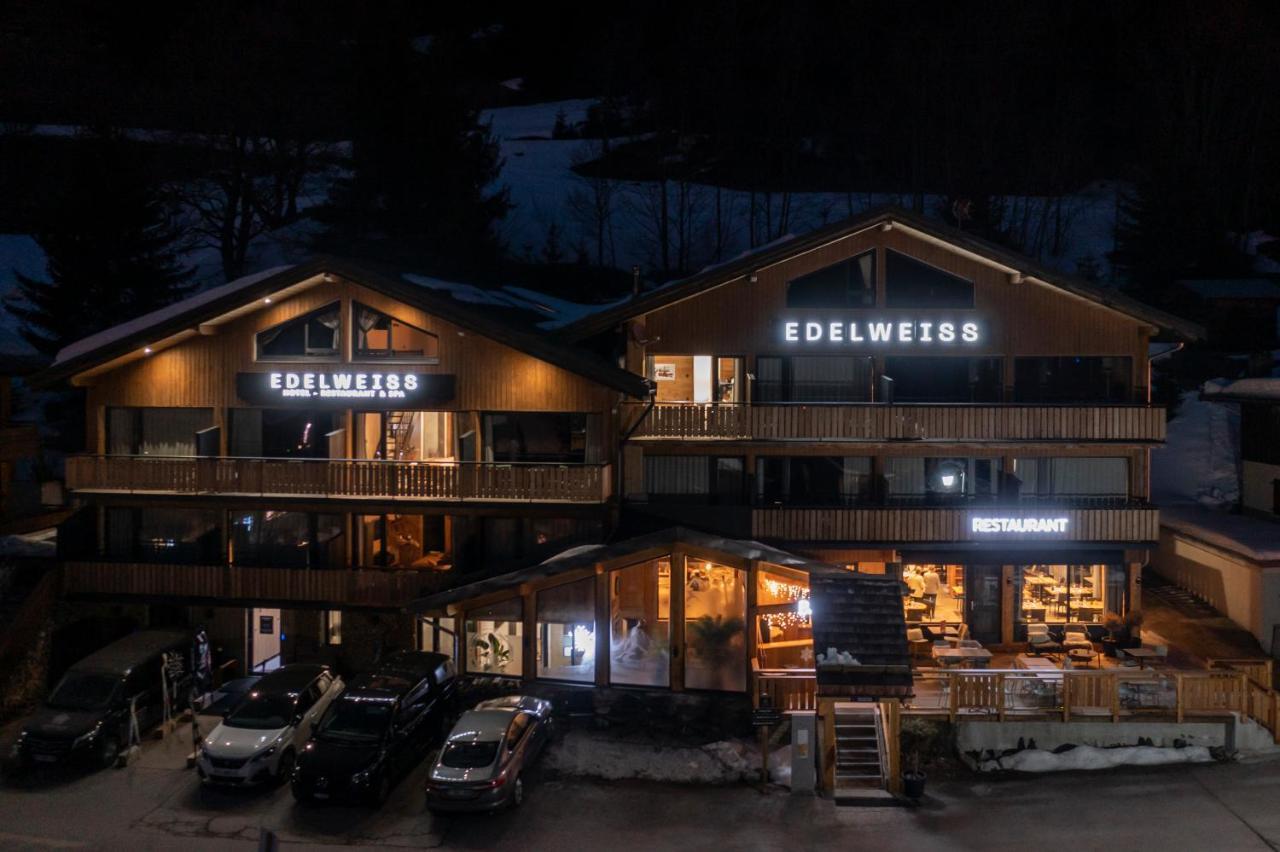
(788, 689)
(353, 478)
(362, 587)
(902, 421)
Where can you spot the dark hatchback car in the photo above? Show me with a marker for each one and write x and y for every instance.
(86, 718)
(378, 730)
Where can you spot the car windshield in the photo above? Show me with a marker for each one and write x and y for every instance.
(262, 712)
(84, 692)
(469, 755)
(229, 695)
(355, 721)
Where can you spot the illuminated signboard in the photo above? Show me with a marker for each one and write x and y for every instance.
(345, 388)
(1018, 525)
(914, 332)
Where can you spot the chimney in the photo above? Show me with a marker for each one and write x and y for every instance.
(635, 281)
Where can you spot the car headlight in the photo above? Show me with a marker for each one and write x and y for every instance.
(86, 737)
(362, 777)
(265, 753)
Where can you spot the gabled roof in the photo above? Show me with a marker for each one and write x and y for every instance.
(191, 312)
(954, 238)
(860, 615)
(587, 555)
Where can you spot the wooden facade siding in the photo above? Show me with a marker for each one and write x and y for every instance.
(1139, 424)
(358, 588)
(743, 317)
(200, 371)
(342, 478)
(930, 524)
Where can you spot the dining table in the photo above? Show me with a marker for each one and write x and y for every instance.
(978, 657)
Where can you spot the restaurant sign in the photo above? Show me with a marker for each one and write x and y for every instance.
(891, 332)
(343, 388)
(1018, 525)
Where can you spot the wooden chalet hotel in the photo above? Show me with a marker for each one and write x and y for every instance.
(328, 460)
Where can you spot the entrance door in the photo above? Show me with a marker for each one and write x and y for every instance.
(982, 594)
(264, 640)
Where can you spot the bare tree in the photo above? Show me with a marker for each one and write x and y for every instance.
(592, 203)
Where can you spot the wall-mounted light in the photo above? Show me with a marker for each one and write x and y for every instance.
(146, 350)
(267, 300)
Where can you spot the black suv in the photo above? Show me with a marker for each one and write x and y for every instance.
(87, 716)
(377, 730)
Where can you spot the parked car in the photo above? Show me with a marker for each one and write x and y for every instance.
(87, 715)
(377, 730)
(259, 740)
(483, 758)
(222, 701)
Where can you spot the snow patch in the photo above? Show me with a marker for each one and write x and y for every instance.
(1089, 758)
(724, 762)
(1198, 463)
(1252, 537)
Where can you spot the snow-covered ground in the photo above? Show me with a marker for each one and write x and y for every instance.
(591, 755)
(1089, 757)
(1199, 462)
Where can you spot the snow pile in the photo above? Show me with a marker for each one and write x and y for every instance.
(42, 543)
(1199, 461)
(1263, 389)
(558, 312)
(1252, 537)
(1088, 757)
(724, 762)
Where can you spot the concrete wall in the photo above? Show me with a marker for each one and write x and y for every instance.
(1258, 491)
(1244, 591)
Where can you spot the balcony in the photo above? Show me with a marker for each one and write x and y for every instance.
(875, 422)
(1123, 522)
(364, 587)
(445, 482)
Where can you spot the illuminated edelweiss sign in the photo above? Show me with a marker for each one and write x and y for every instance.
(880, 331)
(1018, 525)
(366, 389)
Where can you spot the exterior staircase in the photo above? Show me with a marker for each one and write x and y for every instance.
(860, 772)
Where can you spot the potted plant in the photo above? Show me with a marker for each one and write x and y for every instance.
(711, 639)
(492, 653)
(1114, 624)
(913, 779)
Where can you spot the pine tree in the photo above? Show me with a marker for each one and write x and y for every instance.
(112, 253)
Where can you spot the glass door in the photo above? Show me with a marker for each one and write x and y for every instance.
(982, 591)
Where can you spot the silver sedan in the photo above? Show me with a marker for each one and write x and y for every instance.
(480, 764)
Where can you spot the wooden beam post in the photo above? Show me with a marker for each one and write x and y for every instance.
(891, 721)
(1115, 697)
(1066, 696)
(753, 621)
(604, 626)
(1178, 697)
(827, 754)
(677, 620)
(529, 664)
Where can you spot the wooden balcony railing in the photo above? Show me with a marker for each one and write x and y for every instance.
(1127, 523)
(896, 422)
(364, 587)
(788, 689)
(352, 478)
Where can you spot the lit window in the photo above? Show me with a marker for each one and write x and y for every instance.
(379, 335)
(312, 335)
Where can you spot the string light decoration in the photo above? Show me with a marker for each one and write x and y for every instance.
(783, 591)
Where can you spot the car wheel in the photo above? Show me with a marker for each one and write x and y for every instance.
(284, 769)
(108, 750)
(517, 793)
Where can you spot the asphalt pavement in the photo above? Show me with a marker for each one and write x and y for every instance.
(156, 803)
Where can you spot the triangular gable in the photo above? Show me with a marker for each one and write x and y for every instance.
(1018, 267)
(182, 319)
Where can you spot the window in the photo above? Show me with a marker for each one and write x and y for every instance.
(1070, 594)
(1260, 433)
(402, 541)
(287, 539)
(438, 634)
(566, 625)
(782, 602)
(696, 479)
(850, 284)
(640, 624)
(944, 379)
(935, 593)
(285, 433)
(161, 535)
(541, 436)
(155, 431)
(381, 336)
(941, 479)
(1072, 477)
(910, 283)
(695, 378)
(812, 378)
(715, 612)
(494, 638)
(313, 335)
(812, 480)
(404, 435)
(1069, 378)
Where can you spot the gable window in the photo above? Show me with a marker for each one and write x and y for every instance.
(849, 284)
(379, 335)
(313, 335)
(1072, 378)
(812, 378)
(940, 378)
(909, 283)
